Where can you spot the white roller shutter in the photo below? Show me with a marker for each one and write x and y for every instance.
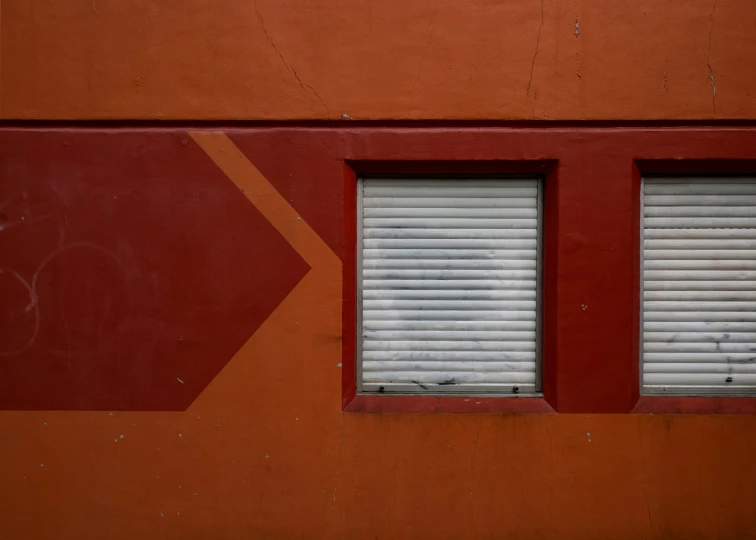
(699, 286)
(448, 285)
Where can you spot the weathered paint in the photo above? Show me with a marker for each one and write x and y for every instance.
(366, 60)
(265, 450)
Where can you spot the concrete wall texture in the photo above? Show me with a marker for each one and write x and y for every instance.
(172, 346)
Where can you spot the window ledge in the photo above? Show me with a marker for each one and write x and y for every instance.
(695, 405)
(370, 403)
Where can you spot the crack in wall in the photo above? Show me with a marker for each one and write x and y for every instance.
(532, 63)
(304, 86)
(425, 52)
(708, 59)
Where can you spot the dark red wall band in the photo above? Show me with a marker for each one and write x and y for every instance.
(100, 318)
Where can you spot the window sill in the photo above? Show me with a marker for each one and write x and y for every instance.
(371, 403)
(695, 405)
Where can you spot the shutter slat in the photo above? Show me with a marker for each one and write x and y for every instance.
(513, 353)
(445, 223)
(705, 380)
(452, 234)
(441, 335)
(700, 200)
(691, 357)
(426, 284)
(422, 304)
(702, 306)
(442, 315)
(426, 377)
(699, 234)
(714, 187)
(391, 245)
(699, 299)
(699, 316)
(683, 285)
(447, 202)
(467, 364)
(451, 294)
(691, 337)
(449, 285)
(400, 274)
(698, 243)
(700, 295)
(699, 211)
(721, 346)
(453, 212)
(699, 264)
(457, 345)
(452, 252)
(700, 254)
(708, 326)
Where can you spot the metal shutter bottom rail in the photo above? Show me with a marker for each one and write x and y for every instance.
(699, 283)
(448, 285)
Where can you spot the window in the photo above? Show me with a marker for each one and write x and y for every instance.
(699, 286)
(448, 285)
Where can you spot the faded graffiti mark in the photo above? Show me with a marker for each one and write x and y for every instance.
(32, 288)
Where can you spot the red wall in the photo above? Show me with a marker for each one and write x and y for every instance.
(175, 340)
(179, 372)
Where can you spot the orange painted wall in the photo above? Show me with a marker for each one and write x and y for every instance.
(265, 451)
(366, 59)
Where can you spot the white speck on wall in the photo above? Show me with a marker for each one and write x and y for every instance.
(180, 435)
(194, 494)
(179, 487)
(583, 307)
(299, 217)
(338, 365)
(161, 514)
(198, 418)
(121, 435)
(179, 380)
(267, 456)
(115, 440)
(297, 418)
(45, 423)
(111, 414)
(577, 28)
(41, 464)
(178, 513)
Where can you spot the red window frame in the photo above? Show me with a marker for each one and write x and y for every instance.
(591, 251)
